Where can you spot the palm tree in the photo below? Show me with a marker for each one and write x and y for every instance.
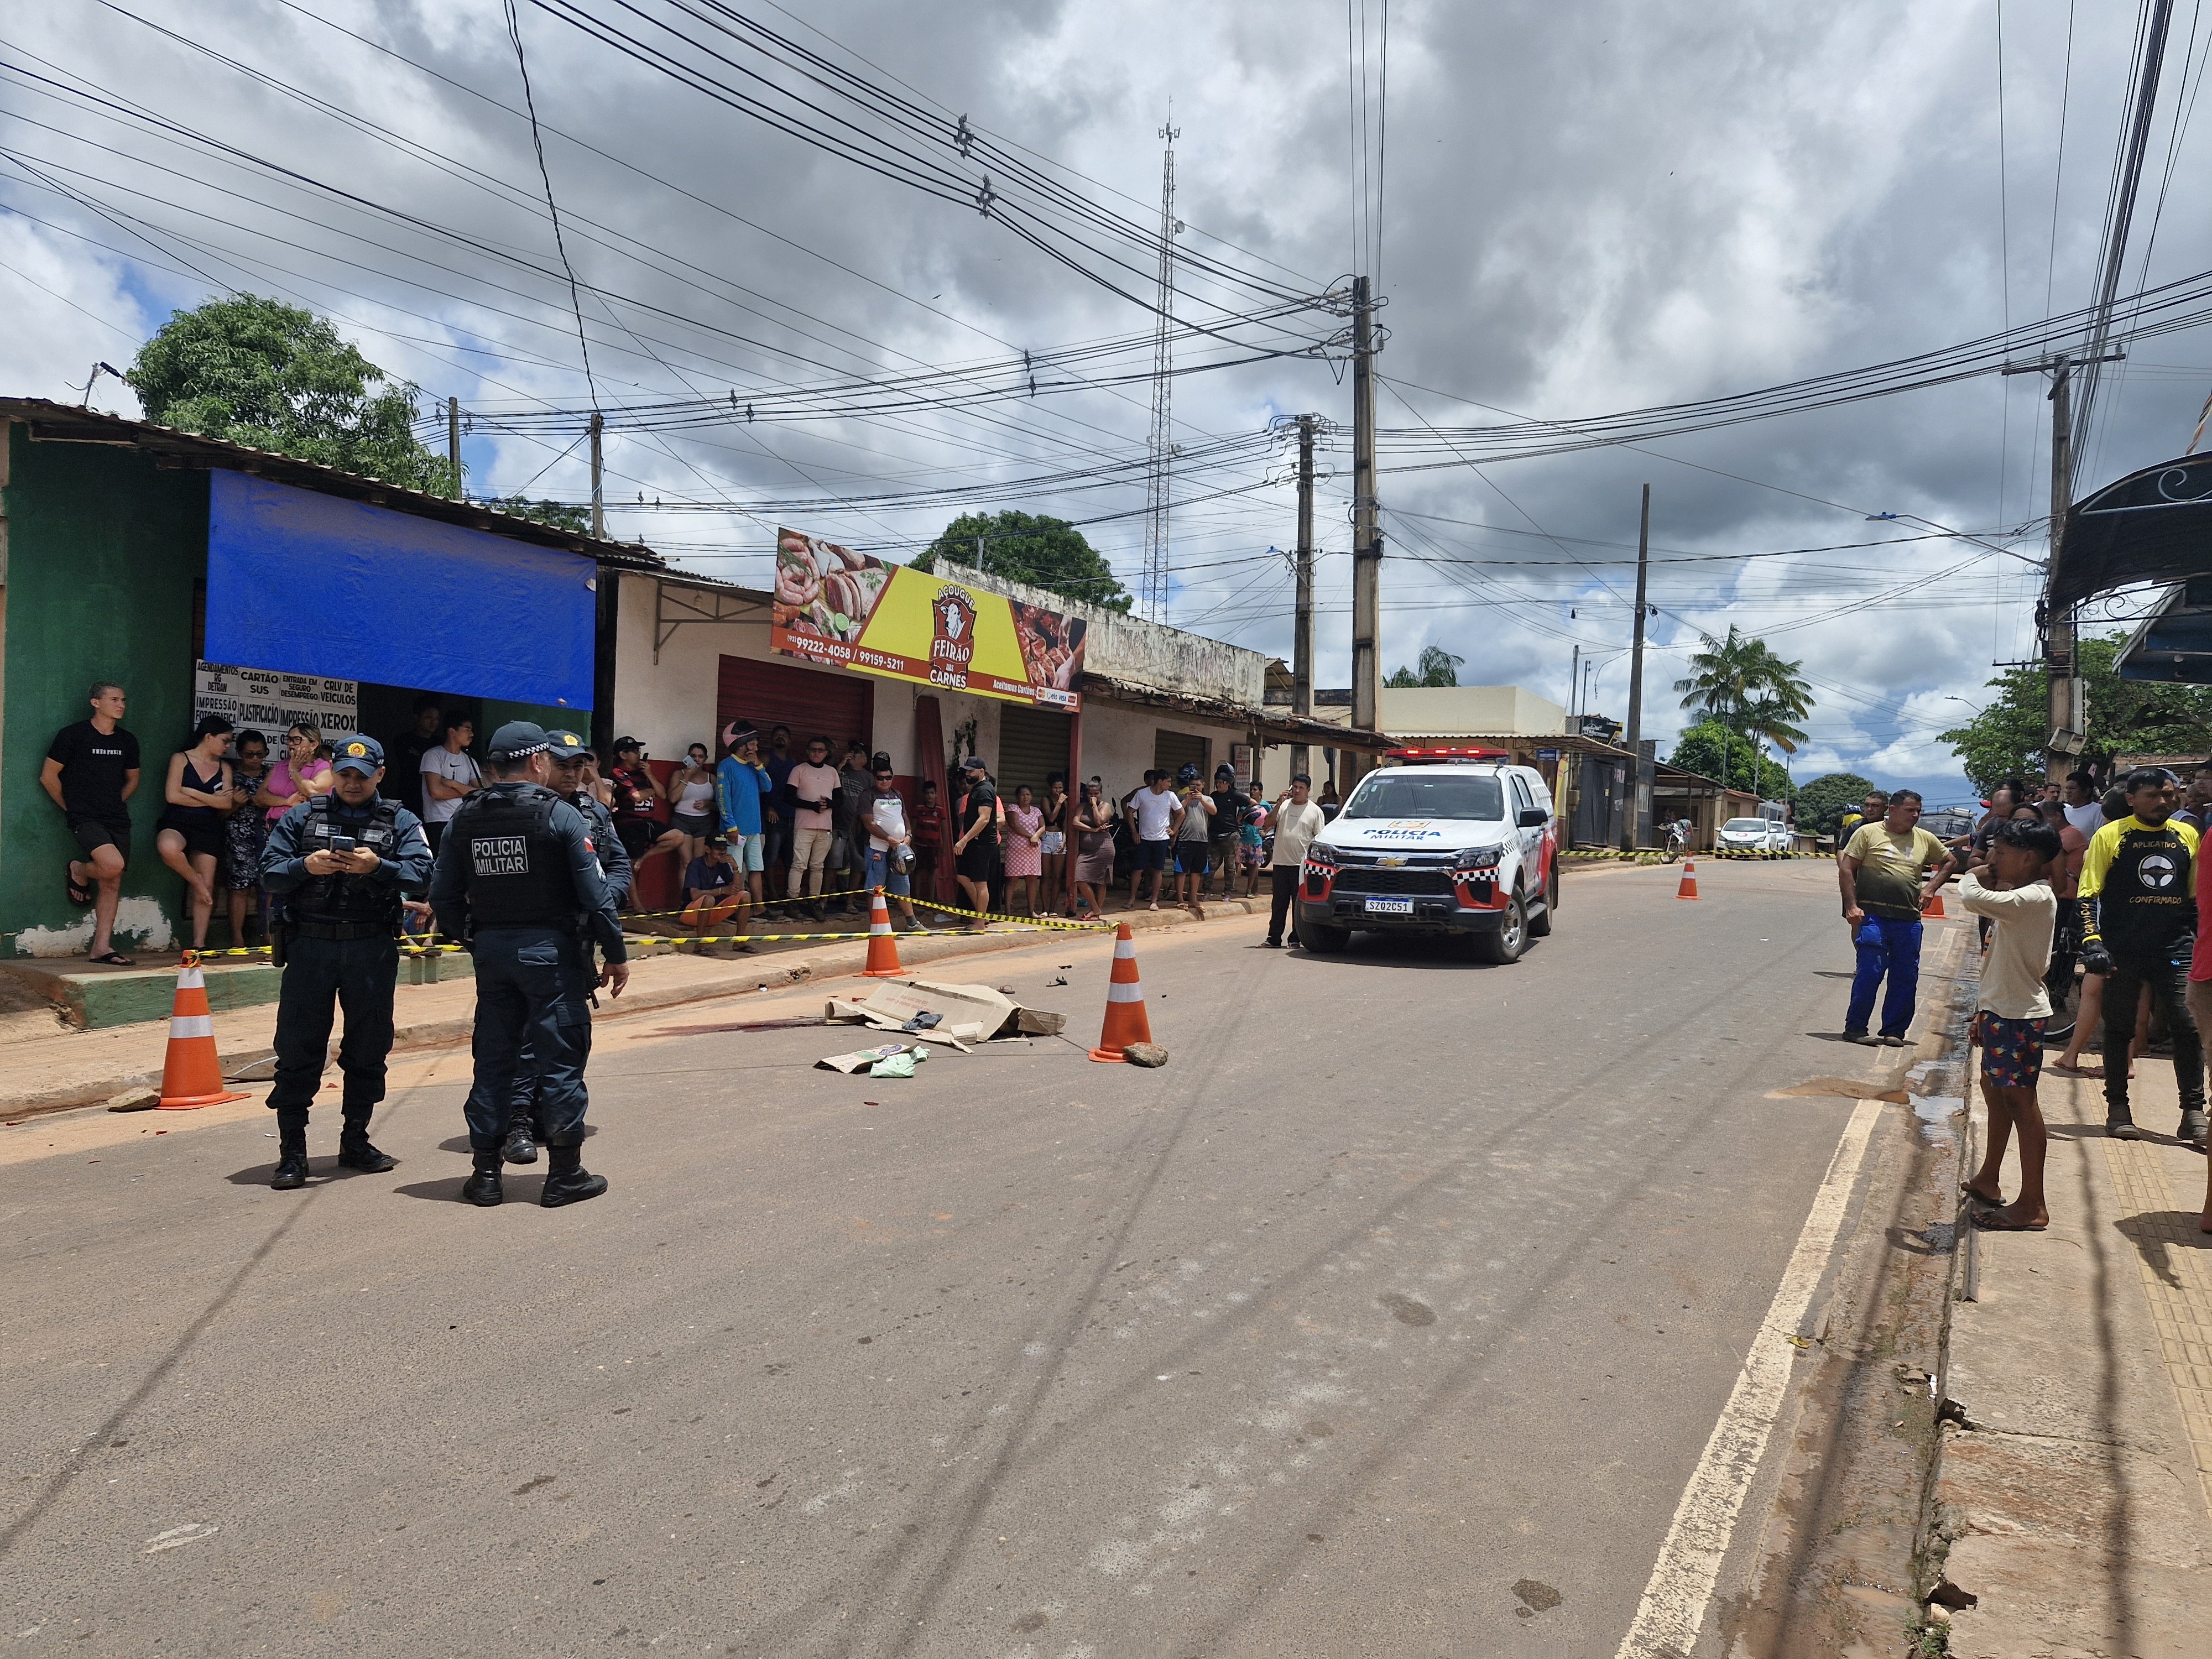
(1437, 667)
(1745, 685)
(1722, 678)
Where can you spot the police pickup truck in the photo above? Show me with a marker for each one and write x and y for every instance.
(1454, 841)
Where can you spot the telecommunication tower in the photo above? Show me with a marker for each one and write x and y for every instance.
(1153, 588)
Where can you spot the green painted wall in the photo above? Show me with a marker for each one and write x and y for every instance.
(103, 551)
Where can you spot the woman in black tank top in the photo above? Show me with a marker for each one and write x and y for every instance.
(192, 830)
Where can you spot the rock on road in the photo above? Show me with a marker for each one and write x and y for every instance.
(1391, 1318)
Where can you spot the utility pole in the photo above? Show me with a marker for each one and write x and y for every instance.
(1152, 591)
(2068, 693)
(598, 500)
(1639, 790)
(454, 445)
(1302, 639)
(1366, 533)
(1574, 687)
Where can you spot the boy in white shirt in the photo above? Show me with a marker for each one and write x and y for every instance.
(2011, 885)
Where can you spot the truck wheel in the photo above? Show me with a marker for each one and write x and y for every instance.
(1541, 926)
(1511, 937)
(1324, 941)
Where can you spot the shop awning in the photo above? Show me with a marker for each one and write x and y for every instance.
(2175, 642)
(1274, 725)
(307, 583)
(2154, 525)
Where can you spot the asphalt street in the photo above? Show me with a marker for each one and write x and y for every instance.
(1391, 1317)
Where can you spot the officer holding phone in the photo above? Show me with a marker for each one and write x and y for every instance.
(341, 861)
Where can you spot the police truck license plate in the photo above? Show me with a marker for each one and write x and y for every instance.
(1389, 907)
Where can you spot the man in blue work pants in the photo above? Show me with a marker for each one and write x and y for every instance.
(1888, 946)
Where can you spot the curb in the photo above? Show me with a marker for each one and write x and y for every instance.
(743, 976)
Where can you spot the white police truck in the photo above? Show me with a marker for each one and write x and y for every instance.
(1454, 841)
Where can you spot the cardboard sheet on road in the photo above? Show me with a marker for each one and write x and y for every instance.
(966, 1013)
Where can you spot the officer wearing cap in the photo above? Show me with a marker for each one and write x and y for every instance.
(568, 752)
(518, 877)
(343, 861)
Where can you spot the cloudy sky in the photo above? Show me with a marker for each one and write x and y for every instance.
(1568, 210)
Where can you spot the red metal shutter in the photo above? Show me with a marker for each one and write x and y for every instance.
(814, 702)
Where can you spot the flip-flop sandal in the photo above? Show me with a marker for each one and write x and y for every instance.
(112, 959)
(1993, 1221)
(79, 896)
(1966, 1190)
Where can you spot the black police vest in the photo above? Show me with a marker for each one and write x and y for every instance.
(517, 870)
(349, 898)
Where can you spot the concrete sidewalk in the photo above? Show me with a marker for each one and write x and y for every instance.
(48, 1065)
(2075, 1487)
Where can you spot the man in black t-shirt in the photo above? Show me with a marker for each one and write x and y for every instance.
(404, 774)
(1228, 806)
(91, 772)
(977, 849)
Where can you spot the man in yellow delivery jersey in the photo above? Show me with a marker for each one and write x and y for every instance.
(2140, 874)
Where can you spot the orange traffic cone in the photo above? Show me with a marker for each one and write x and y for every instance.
(883, 945)
(1125, 1003)
(1689, 887)
(1934, 909)
(191, 1075)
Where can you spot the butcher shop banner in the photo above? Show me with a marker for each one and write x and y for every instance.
(847, 610)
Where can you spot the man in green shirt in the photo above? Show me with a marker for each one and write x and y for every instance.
(1880, 872)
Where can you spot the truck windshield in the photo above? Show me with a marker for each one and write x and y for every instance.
(1406, 791)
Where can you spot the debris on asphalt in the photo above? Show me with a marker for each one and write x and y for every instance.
(1146, 1054)
(958, 1014)
(135, 1100)
(891, 1059)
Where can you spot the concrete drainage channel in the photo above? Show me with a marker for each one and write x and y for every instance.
(1849, 1559)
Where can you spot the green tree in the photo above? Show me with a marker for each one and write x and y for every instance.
(1710, 749)
(1822, 803)
(2006, 738)
(1437, 667)
(269, 375)
(1047, 553)
(561, 516)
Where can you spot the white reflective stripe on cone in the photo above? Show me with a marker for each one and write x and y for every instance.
(191, 979)
(1125, 949)
(1131, 992)
(190, 1025)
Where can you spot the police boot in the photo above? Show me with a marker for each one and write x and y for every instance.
(355, 1153)
(291, 1151)
(566, 1180)
(2193, 1122)
(482, 1187)
(520, 1148)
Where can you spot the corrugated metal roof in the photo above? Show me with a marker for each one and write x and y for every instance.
(53, 422)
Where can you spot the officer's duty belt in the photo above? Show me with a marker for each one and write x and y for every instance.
(342, 930)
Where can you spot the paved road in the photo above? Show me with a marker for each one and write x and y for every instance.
(1391, 1318)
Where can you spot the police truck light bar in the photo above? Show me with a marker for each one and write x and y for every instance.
(1426, 756)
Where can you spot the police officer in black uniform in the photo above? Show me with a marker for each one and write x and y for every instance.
(343, 860)
(568, 752)
(516, 876)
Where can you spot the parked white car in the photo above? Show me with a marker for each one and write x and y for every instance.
(1451, 841)
(1744, 835)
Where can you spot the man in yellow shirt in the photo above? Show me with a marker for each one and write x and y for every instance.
(2140, 871)
(1879, 871)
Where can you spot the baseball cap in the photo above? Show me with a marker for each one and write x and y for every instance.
(622, 743)
(566, 745)
(517, 740)
(358, 752)
(974, 764)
